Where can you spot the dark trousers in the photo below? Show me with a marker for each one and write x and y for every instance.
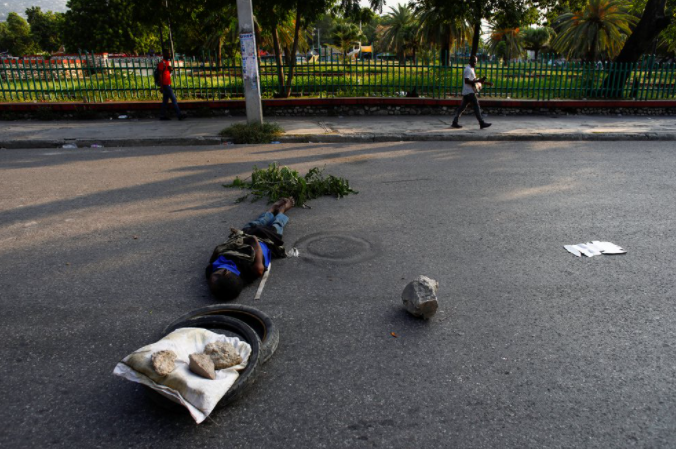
(168, 94)
(474, 101)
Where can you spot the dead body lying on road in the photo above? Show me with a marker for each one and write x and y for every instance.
(246, 254)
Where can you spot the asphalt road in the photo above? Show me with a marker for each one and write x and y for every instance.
(531, 347)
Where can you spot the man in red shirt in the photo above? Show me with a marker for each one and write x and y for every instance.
(165, 70)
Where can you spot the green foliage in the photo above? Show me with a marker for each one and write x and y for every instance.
(344, 34)
(253, 133)
(511, 38)
(437, 26)
(16, 37)
(277, 182)
(536, 39)
(400, 31)
(600, 29)
(555, 8)
(105, 25)
(46, 28)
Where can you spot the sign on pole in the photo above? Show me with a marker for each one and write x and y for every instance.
(247, 39)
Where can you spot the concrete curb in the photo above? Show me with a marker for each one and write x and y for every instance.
(86, 143)
(477, 136)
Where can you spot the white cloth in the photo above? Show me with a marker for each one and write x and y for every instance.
(197, 394)
(468, 73)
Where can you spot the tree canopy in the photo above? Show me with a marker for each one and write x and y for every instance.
(15, 36)
(96, 25)
(599, 30)
(45, 28)
(586, 28)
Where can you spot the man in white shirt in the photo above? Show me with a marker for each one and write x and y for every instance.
(470, 87)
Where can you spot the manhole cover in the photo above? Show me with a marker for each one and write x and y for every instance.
(335, 247)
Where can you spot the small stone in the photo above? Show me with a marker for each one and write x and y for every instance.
(163, 362)
(224, 355)
(202, 365)
(420, 297)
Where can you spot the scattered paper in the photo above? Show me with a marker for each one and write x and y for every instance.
(609, 248)
(573, 250)
(69, 145)
(122, 117)
(293, 252)
(594, 248)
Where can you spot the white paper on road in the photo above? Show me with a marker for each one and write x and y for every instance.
(573, 250)
(594, 248)
(609, 248)
(591, 249)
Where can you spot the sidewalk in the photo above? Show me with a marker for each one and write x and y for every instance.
(194, 131)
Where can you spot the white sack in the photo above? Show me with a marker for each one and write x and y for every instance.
(197, 394)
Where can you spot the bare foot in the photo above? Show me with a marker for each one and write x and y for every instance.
(274, 209)
(282, 205)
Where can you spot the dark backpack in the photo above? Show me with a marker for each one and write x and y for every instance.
(157, 74)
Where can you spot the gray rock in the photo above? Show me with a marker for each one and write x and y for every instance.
(202, 365)
(164, 362)
(222, 354)
(420, 297)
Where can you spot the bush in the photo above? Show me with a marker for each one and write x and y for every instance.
(253, 133)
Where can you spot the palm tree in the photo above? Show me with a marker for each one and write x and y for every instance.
(398, 34)
(512, 38)
(344, 35)
(437, 28)
(221, 32)
(598, 30)
(536, 39)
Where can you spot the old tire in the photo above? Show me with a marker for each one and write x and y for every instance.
(260, 322)
(231, 327)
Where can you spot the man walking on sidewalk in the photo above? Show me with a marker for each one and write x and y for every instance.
(164, 68)
(470, 87)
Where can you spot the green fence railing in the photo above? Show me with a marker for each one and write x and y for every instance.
(91, 78)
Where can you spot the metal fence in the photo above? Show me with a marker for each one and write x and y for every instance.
(91, 78)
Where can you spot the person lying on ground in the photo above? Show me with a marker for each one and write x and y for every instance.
(246, 254)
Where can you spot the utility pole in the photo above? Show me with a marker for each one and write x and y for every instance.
(171, 37)
(247, 40)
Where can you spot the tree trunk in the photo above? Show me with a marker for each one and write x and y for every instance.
(652, 22)
(475, 37)
(287, 55)
(594, 44)
(445, 48)
(292, 64)
(278, 58)
(161, 40)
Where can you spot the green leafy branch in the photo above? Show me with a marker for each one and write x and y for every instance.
(277, 182)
